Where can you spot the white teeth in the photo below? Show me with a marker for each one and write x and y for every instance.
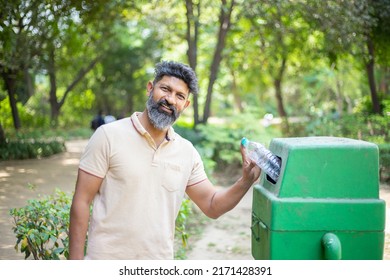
(166, 107)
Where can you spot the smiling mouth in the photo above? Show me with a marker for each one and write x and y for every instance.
(166, 108)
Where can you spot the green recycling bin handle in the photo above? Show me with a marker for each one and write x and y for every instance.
(256, 222)
(332, 246)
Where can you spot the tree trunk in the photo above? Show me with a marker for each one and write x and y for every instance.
(80, 75)
(28, 79)
(54, 103)
(384, 83)
(54, 106)
(279, 96)
(371, 77)
(192, 53)
(225, 22)
(236, 95)
(10, 84)
(339, 97)
(2, 135)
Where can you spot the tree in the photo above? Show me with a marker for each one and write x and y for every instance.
(2, 135)
(75, 38)
(281, 34)
(224, 26)
(192, 34)
(63, 39)
(199, 44)
(18, 49)
(377, 34)
(121, 76)
(360, 28)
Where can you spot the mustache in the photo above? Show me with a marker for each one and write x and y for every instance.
(166, 104)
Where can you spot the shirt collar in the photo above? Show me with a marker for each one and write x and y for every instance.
(141, 130)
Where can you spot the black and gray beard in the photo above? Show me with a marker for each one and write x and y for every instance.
(159, 118)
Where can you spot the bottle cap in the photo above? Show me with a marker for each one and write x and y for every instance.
(244, 142)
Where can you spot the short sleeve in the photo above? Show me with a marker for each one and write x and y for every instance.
(198, 173)
(95, 159)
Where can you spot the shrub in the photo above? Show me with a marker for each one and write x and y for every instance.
(27, 149)
(360, 125)
(41, 227)
(384, 161)
(219, 144)
(181, 237)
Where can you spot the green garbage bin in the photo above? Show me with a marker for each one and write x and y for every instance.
(325, 204)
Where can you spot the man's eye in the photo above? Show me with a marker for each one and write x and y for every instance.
(181, 97)
(164, 89)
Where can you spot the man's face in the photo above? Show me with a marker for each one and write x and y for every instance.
(167, 100)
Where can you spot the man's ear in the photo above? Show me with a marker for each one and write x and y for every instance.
(149, 87)
(188, 102)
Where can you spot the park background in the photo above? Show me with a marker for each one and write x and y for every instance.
(266, 69)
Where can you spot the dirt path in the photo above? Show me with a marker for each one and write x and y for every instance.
(228, 237)
(58, 171)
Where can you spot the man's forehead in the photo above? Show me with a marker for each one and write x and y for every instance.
(175, 83)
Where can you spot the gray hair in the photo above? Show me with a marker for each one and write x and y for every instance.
(178, 70)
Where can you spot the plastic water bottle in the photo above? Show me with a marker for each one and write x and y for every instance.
(263, 157)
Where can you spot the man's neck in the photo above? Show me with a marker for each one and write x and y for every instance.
(157, 134)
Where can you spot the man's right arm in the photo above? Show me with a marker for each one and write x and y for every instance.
(87, 186)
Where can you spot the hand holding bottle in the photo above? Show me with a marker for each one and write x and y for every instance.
(250, 171)
(263, 157)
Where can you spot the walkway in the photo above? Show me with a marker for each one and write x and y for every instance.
(47, 174)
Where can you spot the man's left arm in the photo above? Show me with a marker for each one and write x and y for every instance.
(213, 202)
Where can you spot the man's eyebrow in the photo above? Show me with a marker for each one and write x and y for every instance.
(165, 85)
(170, 88)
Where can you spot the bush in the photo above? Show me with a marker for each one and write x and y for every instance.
(219, 144)
(181, 236)
(27, 149)
(371, 128)
(41, 227)
(384, 161)
(38, 143)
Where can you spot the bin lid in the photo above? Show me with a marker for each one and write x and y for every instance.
(325, 167)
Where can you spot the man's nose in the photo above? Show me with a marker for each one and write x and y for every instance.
(169, 97)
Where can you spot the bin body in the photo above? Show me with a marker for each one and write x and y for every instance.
(327, 185)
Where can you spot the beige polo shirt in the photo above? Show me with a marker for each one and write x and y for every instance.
(135, 209)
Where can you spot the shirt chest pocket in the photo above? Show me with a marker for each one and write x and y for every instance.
(172, 177)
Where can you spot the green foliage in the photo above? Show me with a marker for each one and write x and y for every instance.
(181, 221)
(219, 144)
(44, 133)
(189, 224)
(121, 74)
(76, 109)
(41, 227)
(359, 125)
(38, 143)
(26, 149)
(384, 161)
(32, 114)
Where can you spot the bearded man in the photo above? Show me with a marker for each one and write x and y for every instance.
(136, 171)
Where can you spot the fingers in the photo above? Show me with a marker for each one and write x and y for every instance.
(244, 156)
(250, 168)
